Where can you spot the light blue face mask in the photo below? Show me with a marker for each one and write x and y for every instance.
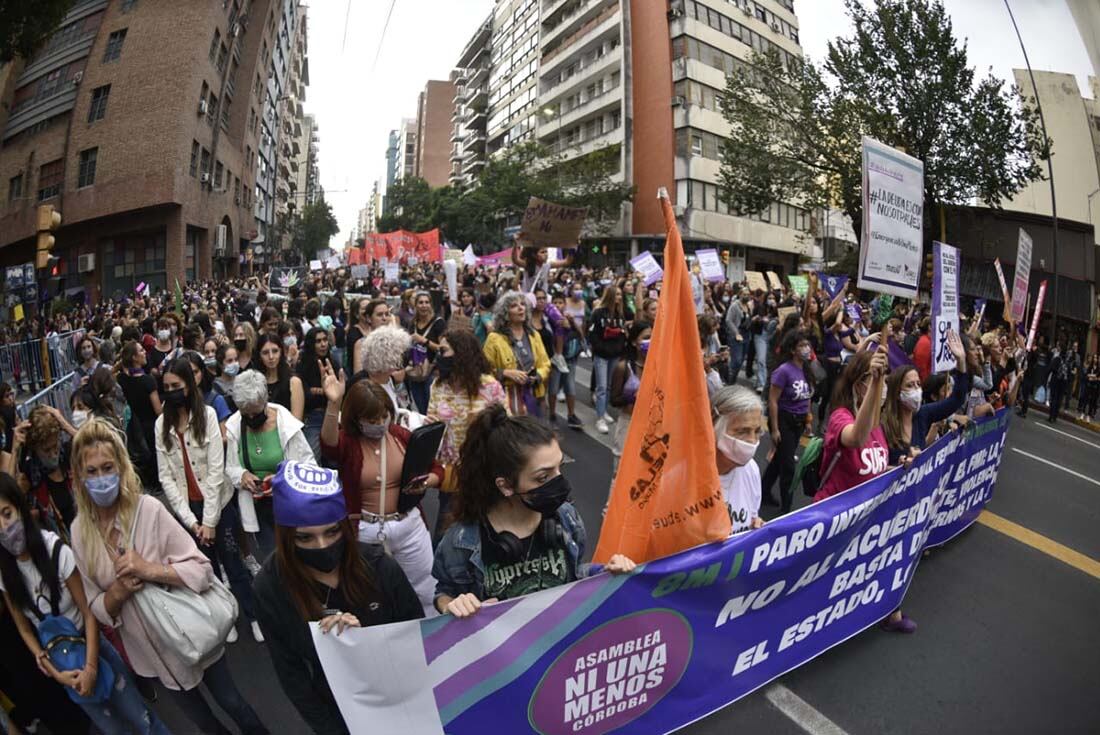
(103, 490)
(324, 322)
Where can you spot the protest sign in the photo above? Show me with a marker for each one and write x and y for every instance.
(17, 313)
(1022, 277)
(450, 272)
(799, 284)
(783, 311)
(774, 282)
(1038, 312)
(648, 266)
(755, 280)
(360, 272)
(315, 265)
(893, 220)
(684, 635)
(283, 279)
(468, 256)
(332, 263)
(710, 265)
(547, 225)
(736, 272)
(945, 303)
(832, 284)
(392, 272)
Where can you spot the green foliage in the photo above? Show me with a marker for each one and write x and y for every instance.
(24, 24)
(478, 214)
(903, 79)
(315, 228)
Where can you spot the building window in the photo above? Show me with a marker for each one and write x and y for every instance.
(205, 161)
(15, 188)
(214, 44)
(212, 110)
(114, 45)
(50, 177)
(193, 168)
(128, 5)
(50, 84)
(86, 174)
(223, 55)
(236, 190)
(218, 171)
(99, 103)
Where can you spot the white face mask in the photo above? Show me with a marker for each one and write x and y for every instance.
(79, 417)
(735, 450)
(911, 399)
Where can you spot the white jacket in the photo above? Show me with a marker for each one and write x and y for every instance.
(208, 465)
(295, 447)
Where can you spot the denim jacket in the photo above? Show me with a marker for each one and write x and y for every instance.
(459, 568)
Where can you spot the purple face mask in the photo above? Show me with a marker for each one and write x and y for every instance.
(643, 347)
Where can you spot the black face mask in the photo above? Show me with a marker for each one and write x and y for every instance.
(323, 560)
(175, 397)
(255, 421)
(240, 344)
(446, 364)
(548, 497)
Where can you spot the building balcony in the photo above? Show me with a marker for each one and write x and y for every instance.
(478, 77)
(457, 153)
(573, 17)
(603, 23)
(557, 90)
(477, 44)
(35, 111)
(50, 58)
(457, 134)
(460, 96)
(582, 146)
(477, 96)
(605, 101)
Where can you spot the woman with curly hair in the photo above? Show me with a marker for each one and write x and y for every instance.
(384, 351)
(515, 351)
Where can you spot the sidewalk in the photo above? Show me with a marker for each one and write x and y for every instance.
(1070, 416)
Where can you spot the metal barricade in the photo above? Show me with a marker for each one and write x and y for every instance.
(21, 363)
(57, 395)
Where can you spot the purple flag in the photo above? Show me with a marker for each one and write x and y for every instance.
(832, 284)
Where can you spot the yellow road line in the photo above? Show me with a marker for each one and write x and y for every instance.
(1064, 554)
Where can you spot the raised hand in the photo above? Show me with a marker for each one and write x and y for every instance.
(332, 385)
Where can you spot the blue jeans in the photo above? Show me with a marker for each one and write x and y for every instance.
(760, 342)
(420, 392)
(125, 712)
(567, 382)
(227, 553)
(311, 430)
(737, 356)
(602, 369)
(219, 683)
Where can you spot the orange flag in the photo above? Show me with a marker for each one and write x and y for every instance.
(666, 496)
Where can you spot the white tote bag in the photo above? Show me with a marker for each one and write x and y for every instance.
(193, 626)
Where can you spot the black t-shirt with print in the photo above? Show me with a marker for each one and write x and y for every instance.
(538, 567)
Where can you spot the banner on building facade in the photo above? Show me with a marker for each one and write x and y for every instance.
(1021, 278)
(682, 637)
(945, 303)
(893, 220)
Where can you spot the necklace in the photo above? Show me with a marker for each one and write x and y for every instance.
(327, 611)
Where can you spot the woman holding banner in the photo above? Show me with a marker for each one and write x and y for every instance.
(515, 531)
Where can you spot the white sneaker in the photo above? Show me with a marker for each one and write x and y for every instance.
(232, 637)
(601, 426)
(558, 361)
(608, 418)
(257, 634)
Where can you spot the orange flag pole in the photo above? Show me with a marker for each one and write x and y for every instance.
(666, 496)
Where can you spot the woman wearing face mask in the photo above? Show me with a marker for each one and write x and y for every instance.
(228, 370)
(290, 337)
(320, 572)
(626, 378)
(515, 531)
(112, 512)
(737, 433)
(192, 472)
(37, 572)
(360, 436)
(788, 413)
(164, 349)
(205, 384)
(465, 387)
(244, 339)
(259, 437)
(283, 387)
(316, 352)
(906, 419)
(87, 352)
(44, 466)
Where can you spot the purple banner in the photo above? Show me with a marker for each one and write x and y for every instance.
(682, 637)
(832, 284)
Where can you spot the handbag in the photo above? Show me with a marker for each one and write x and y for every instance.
(67, 647)
(194, 626)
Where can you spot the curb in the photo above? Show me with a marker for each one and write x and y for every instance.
(1067, 416)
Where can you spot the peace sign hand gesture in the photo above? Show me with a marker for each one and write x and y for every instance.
(332, 386)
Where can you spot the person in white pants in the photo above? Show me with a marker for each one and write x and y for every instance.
(359, 436)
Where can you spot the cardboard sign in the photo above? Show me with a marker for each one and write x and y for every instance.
(360, 272)
(756, 281)
(784, 311)
(893, 221)
(773, 279)
(648, 266)
(315, 265)
(547, 225)
(333, 263)
(710, 265)
(393, 273)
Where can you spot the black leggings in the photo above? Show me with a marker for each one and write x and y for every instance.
(783, 463)
(219, 683)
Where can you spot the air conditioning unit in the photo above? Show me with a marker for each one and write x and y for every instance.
(204, 177)
(86, 263)
(676, 11)
(219, 240)
(235, 30)
(204, 107)
(776, 28)
(678, 101)
(746, 9)
(236, 200)
(78, 78)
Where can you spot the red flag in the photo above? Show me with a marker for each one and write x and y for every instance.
(666, 496)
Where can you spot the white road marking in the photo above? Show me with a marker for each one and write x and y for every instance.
(1071, 436)
(801, 712)
(1029, 455)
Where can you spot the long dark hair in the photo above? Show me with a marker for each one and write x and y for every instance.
(196, 406)
(36, 545)
(282, 369)
(356, 579)
(197, 363)
(497, 445)
(98, 393)
(789, 343)
(844, 394)
(469, 362)
(308, 369)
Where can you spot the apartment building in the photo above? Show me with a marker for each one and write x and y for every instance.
(471, 103)
(307, 183)
(435, 107)
(405, 162)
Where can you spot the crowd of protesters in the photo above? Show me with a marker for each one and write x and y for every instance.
(191, 410)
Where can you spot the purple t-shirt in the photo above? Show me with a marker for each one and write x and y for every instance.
(797, 390)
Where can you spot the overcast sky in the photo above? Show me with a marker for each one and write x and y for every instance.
(357, 104)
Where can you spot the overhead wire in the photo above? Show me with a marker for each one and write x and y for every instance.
(382, 40)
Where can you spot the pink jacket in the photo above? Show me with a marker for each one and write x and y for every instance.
(162, 540)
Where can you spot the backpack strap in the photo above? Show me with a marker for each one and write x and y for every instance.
(829, 469)
(55, 594)
(244, 447)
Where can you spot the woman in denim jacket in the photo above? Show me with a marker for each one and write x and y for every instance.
(515, 533)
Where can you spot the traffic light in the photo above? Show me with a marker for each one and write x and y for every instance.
(49, 219)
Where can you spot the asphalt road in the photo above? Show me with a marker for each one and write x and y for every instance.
(1008, 639)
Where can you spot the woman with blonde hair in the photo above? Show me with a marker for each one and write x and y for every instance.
(124, 540)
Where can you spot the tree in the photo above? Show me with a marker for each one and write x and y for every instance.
(315, 228)
(903, 79)
(24, 24)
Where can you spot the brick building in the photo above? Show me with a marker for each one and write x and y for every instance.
(138, 120)
(433, 132)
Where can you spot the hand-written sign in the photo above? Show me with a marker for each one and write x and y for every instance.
(546, 224)
(756, 281)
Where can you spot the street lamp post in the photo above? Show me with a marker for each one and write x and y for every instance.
(1050, 171)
